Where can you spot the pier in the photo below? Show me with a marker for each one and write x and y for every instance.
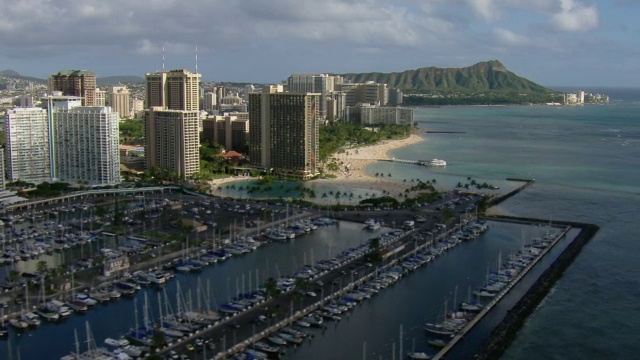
(505, 332)
(498, 199)
(89, 193)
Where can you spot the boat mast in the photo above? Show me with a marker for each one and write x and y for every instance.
(400, 351)
(75, 334)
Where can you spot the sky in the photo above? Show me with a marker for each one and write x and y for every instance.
(551, 42)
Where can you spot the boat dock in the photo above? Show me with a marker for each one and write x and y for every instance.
(505, 331)
(401, 161)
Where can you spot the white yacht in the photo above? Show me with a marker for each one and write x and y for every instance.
(432, 162)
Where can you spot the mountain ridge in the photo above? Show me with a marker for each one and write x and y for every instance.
(483, 76)
(106, 80)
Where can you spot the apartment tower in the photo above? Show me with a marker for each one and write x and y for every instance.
(119, 101)
(75, 83)
(173, 90)
(284, 132)
(27, 145)
(172, 122)
(86, 145)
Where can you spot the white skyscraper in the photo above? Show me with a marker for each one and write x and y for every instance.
(27, 145)
(85, 140)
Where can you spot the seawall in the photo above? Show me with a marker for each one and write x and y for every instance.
(498, 199)
(503, 334)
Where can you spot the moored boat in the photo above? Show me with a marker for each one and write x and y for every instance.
(277, 340)
(418, 355)
(32, 319)
(437, 343)
(18, 324)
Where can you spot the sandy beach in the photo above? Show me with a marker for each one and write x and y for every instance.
(354, 161)
(352, 168)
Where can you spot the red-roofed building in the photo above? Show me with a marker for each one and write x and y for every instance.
(231, 155)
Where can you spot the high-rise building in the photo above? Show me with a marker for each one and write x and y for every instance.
(172, 141)
(209, 102)
(230, 130)
(55, 102)
(27, 145)
(119, 101)
(26, 101)
(172, 123)
(101, 98)
(2, 181)
(173, 90)
(322, 84)
(284, 132)
(86, 145)
(137, 107)
(396, 97)
(336, 105)
(367, 114)
(367, 93)
(75, 83)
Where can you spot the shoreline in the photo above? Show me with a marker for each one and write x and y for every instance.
(354, 161)
(352, 168)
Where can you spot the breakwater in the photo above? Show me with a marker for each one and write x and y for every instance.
(506, 331)
(493, 303)
(498, 199)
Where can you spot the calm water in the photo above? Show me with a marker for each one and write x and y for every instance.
(585, 162)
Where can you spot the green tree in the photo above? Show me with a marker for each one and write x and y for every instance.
(14, 276)
(271, 286)
(157, 340)
(41, 267)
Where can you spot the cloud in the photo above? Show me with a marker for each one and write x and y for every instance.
(486, 9)
(575, 16)
(508, 37)
(294, 35)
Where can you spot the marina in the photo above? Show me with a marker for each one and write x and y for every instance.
(210, 318)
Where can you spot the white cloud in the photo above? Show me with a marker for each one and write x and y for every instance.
(486, 9)
(147, 47)
(508, 37)
(575, 16)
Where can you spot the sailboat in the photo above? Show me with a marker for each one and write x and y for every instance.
(18, 324)
(448, 327)
(417, 355)
(44, 311)
(93, 352)
(29, 317)
(471, 306)
(4, 329)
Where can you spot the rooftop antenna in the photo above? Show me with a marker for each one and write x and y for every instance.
(162, 58)
(196, 59)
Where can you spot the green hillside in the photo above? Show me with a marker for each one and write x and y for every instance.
(483, 76)
(16, 75)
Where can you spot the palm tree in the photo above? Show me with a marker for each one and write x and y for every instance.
(41, 267)
(14, 276)
(157, 340)
(272, 287)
